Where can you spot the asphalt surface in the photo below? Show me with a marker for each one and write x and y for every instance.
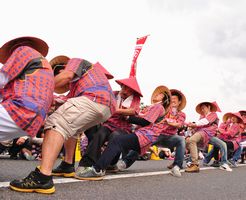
(144, 180)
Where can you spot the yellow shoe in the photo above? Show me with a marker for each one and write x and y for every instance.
(34, 182)
(193, 168)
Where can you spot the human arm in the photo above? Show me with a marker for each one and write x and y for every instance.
(126, 111)
(21, 140)
(63, 78)
(138, 121)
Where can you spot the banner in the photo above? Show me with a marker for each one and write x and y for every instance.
(138, 48)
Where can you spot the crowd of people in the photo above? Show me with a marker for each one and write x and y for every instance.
(116, 128)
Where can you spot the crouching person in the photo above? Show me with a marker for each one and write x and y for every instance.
(139, 141)
(26, 87)
(204, 129)
(90, 102)
(174, 120)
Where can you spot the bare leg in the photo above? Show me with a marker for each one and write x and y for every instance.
(51, 147)
(70, 146)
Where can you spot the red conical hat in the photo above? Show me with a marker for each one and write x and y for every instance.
(131, 83)
(106, 72)
(7, 49)
(243, 112)
(218, 108)
(225, 117)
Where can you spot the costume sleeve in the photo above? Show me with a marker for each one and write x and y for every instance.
(233, 131)
(78, 66)
(136, 103)
(154, 112)
(209, 119)
(138, 121)
(18, 61)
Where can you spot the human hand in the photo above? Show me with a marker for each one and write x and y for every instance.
(20, 141)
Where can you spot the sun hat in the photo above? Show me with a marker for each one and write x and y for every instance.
(164, 90)
(229, 114)
(183, 98)
(213, 107)
(7, 49)
(132, 83)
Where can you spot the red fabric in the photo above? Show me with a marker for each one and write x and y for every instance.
(27, 98)
(230, 132)
(208, 130)
(106, 72)
(149, 134)
(138, 48)
(153, 112)
(94, 84)
(178, 117)
(131, 83)
(117, 121)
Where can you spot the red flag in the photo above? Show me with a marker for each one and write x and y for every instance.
(139, 44)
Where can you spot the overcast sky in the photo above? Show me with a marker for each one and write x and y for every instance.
(196, 46)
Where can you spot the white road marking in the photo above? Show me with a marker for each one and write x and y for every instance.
(117, 176)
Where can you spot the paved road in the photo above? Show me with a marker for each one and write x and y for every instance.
(144, 180)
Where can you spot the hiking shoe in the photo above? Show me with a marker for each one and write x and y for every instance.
(89, 173)
(216, 164)
(34, 182)
(233, 163)
(121, 165)
(225, 167)
(176, 171)
(64, 169)
(14, 157)
(112, 169)
(79, 170)
(192, 168)
(29, 157)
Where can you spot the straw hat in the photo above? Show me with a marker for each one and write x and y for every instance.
(132, 83)
(106, 72)
(161, 89)
(7, 49)
(229, 114)
(213, 107)
(183, 98)
(59, 60)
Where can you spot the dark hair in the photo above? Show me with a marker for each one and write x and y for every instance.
(206, 104)
(166, 100)
(243, 113)
(177, 94)
(57, 68)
